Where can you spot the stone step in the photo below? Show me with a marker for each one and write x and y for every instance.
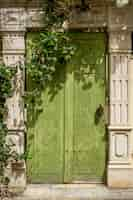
(74, 192)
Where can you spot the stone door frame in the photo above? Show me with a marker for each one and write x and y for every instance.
(14, 24)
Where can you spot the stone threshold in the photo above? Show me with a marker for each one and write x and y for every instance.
(74, 192)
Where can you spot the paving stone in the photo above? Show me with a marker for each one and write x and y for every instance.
(74, 192)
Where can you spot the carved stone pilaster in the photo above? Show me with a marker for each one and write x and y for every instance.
(120, 166)
(13, 53)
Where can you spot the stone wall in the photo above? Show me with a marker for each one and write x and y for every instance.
(17, 19)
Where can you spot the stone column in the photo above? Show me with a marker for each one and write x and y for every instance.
(120, 163)
(13, 52)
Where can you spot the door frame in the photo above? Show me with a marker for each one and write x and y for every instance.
(106, 99)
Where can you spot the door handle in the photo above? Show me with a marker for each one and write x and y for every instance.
(99, 113)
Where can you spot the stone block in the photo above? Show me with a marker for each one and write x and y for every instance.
(13, 43)
(120, 145)
(12, 19)
(120, 41)
(120, 177)
(35, 17)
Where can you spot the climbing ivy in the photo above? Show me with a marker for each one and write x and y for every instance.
(6, 74)
(50, 50)
(48, 53)
(55, 12)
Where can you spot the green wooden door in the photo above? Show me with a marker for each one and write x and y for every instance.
(45, 136)
(66, 140)
(84, 109)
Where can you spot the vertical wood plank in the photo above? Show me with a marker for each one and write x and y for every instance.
(68, 124)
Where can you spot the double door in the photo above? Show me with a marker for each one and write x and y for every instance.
(66, 141)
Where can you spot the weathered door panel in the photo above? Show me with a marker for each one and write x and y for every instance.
(46, 133)
(84, 113)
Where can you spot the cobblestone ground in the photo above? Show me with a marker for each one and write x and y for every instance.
(74, 192)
